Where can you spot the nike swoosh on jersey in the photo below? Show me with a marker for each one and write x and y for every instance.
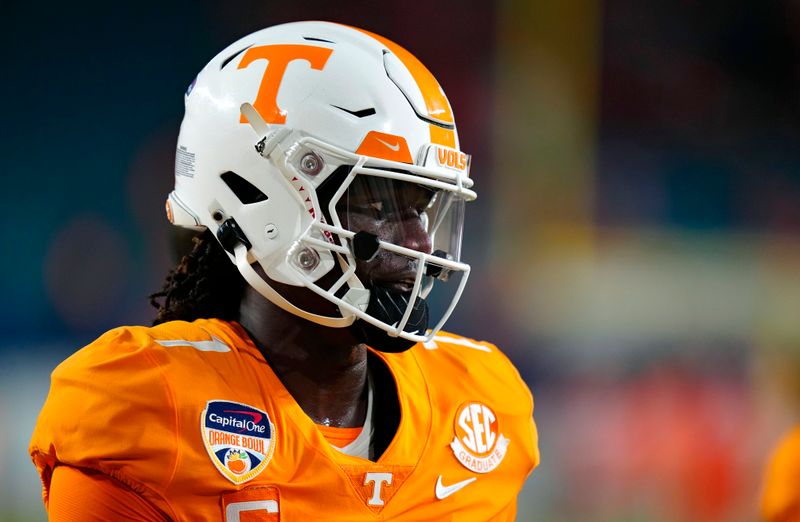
(395, 147)
(442, 491)
(214, 345)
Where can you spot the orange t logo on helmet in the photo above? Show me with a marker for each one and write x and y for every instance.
(279, 57)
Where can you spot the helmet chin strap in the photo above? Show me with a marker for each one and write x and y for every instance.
(257, 282)
(388, 306)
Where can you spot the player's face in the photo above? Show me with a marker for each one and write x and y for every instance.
(396, 212)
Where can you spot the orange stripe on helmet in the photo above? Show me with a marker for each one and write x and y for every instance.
(442, 136)
(385, 146)
(435, 100)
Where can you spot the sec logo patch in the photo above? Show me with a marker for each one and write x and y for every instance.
(478, 443)
(239, 439)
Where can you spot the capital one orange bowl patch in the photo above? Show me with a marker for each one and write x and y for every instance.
(239, 438)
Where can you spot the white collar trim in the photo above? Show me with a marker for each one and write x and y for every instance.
(361, 445)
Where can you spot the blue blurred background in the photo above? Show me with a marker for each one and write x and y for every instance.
(635, 243)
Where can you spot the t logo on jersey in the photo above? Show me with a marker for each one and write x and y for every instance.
(478, 443)
(279, 56)
(377, 480)
(376, 485)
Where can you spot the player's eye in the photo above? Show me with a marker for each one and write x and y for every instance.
(374, 209)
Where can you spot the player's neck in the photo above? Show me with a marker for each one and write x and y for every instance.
(325, 369)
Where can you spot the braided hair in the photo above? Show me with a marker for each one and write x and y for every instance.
(204, 284)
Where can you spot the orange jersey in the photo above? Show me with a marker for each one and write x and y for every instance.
(781, 498)
(192, 418)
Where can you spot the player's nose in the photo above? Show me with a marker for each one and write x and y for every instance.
(414, 235)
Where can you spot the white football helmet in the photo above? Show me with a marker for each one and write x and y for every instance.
(292, 131)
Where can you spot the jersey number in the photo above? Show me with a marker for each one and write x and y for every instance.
(234, 510)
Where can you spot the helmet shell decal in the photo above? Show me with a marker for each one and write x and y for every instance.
(478, 444)
(240, 439)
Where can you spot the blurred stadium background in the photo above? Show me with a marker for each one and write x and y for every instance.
(636, 242)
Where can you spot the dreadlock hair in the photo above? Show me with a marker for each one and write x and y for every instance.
(204, 284)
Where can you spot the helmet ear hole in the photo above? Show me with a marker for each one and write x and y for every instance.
(243, 189)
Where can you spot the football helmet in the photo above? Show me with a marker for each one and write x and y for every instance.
(329, 157)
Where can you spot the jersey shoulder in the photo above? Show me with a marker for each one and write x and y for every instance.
(482, 401)
(478, 365)
(127, 355)
(110, 402)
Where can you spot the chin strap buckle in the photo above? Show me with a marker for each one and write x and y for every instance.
(230, 234)
(439, 272)
(358, 297)
(270, 136)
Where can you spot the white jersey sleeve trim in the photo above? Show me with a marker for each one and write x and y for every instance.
(433, 345)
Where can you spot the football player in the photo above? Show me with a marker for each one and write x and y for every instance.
(296, 369)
